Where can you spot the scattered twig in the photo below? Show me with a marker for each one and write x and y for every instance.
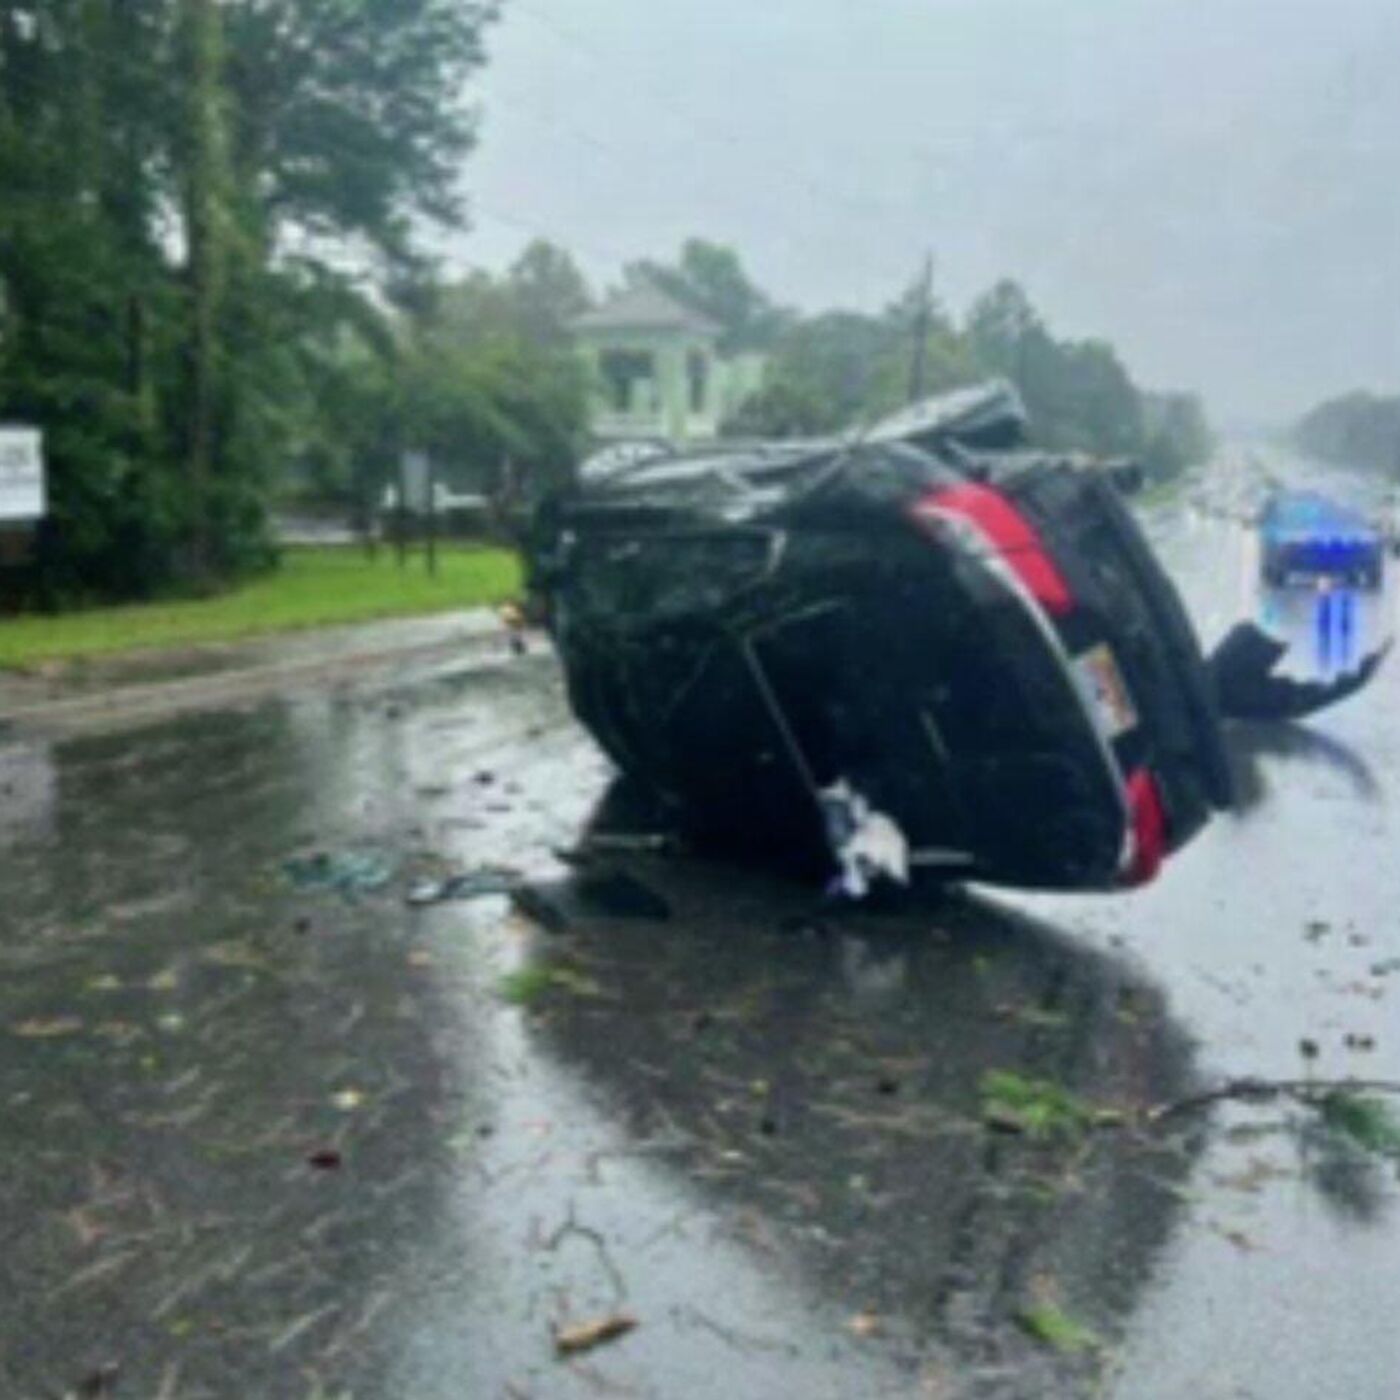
(299, 1326)
(1253, 1089)
(571, 1226)
(740, 1341)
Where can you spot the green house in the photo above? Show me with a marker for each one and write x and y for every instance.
(656, 369)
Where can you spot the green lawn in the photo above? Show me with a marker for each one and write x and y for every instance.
(313, 587)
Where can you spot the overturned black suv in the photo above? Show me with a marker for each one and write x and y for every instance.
(922, 648)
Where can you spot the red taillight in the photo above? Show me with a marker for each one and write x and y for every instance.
(1008, 532)
(1148, 822)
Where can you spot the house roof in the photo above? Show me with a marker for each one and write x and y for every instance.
(643, 306)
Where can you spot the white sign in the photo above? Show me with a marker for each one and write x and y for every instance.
(21, 474)
(415, 479)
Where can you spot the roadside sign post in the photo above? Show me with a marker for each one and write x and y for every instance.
(23, 491)
(401, 522)
(416, 495)
(432, 518)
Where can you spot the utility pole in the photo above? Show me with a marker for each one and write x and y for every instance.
(923, 319)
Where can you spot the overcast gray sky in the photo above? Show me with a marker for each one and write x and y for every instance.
(1214, 185)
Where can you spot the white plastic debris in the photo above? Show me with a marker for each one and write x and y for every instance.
(867, 844)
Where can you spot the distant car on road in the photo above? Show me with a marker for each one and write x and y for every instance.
(1310, 540)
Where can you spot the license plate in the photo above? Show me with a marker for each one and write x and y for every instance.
(1106, 690)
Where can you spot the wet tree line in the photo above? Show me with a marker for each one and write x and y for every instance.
(214, 293)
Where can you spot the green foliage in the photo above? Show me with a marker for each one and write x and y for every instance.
(1367, 1121)
(545, 291)
(477, 377)
(353, 118)
(782, 408)
(1037, 1107)
(1357, 430)
(710, 277)
(839, 363)
(1078, 395)
(1177, 434)
(185, 181)
(841, 368)
(526, 986)
(1052, 1327)
(532, 984)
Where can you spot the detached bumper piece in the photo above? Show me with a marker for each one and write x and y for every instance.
(921, 650)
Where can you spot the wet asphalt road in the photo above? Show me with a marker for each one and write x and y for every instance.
(270, 1140)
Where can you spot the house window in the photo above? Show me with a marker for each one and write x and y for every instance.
(622, 370)
(698, 373)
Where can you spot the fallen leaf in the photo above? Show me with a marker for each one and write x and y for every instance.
(1053, 1328)
(120, 1032)
(866, 1324)
(584, 1336)
(48, 1027)
(1238, 1238)
(165, 981)
(86, 1229)
(348, 1100)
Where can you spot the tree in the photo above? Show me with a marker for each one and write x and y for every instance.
(1177, 434)
(457, 376)
(1359, 429)
(1001, 321)
(351, 120)
(548, 292)
(192, 191)
(710, 278)
(83, 275)
(782, 408)
(491, 393)
(205, 198)
(1078, 394)
(840, 368)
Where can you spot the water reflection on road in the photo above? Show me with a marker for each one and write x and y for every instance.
(260, 1141)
